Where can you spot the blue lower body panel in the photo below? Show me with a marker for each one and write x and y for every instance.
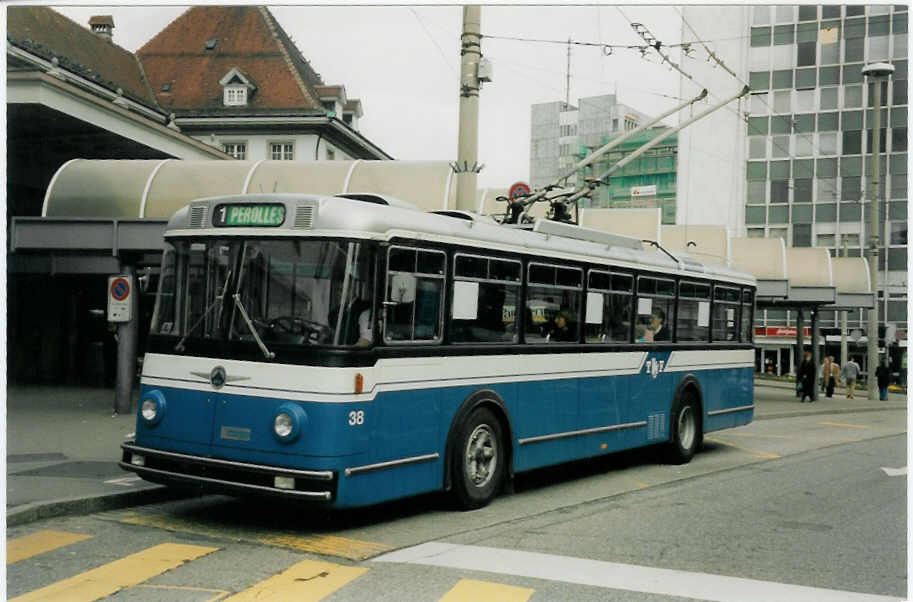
(395, 445)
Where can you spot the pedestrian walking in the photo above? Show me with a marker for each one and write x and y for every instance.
(883, 374)
(830, 371)
(806, 378)
(849, 374)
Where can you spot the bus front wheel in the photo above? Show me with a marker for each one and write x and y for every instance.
(686, 430)
(478, 460)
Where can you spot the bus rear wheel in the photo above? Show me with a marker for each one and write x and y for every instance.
(478, 460)
(686, 430)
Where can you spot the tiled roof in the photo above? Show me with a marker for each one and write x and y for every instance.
(245, 37)
(48, 34)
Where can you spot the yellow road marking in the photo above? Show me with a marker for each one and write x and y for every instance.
(305, 582)
(842, 425)
(757, 454)
(342, 547)
(220, 593)
(115, 576)
(39, 543)
(467, 590)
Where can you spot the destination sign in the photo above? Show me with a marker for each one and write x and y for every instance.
(248, 215)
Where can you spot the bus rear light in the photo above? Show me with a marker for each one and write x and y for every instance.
(359, 382)
(284, 482)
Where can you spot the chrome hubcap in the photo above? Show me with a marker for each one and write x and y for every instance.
(687, 427)
(481, 455)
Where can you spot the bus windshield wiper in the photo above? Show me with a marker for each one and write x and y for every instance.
(250, 325)
(218, 300)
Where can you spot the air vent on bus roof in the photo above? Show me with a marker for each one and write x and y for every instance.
(198, 216)
(304, 216)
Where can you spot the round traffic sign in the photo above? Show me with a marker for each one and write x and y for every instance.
(120, 289)
(518, 189)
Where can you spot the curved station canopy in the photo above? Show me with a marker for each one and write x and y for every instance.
(133, 192)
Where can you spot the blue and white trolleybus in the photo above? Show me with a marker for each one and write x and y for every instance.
(355, 350)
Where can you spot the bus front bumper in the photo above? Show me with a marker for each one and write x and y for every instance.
(227, 476)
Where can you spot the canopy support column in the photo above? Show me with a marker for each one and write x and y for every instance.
(816, 351)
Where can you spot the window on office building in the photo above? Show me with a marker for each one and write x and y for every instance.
(757, 147)
(759, 104)
(852, 142)
(757, 192)
(782, 79)
(805, 101)
(826, 190)
(780, 233)
(805, 53)
(831, 11)
(779, 191)
(779, 147)
(760, 15)
(898, 233)
(802, 191)
(825, 240)
(851, 188)
(828, 76)
(852, 96)
(802, 143)
(828, 98)
(827, 143)
(760, 36)
(785, 14)
(899, 186)
(808, 13)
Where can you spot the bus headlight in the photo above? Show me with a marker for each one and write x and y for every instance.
(282, 425)
(152, 407)
(288, 422)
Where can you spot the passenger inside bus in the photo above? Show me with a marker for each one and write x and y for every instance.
(565, 327)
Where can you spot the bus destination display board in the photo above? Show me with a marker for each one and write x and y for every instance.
(248, 215)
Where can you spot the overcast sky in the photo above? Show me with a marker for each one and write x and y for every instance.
(403, 63)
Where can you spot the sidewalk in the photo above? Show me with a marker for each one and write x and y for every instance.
(63, 445)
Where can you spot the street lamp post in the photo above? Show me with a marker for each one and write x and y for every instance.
(876, 72)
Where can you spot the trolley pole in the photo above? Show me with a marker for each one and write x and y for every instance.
(466, 166)
(876, 74)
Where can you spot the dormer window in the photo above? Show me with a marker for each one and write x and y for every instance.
(235, 96)
(236, 88)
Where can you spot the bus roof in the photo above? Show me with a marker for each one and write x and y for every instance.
(382, 218)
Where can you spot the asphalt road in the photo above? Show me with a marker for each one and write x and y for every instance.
(802, 508)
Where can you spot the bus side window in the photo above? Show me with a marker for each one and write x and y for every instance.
(616, 291)
(413, 300)
(486, 290)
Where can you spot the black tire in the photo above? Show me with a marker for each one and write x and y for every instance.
(686, 429)
(478, 460)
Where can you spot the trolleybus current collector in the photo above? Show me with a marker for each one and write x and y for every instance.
(355, 350)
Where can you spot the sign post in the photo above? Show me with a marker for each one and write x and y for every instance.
(122, 301)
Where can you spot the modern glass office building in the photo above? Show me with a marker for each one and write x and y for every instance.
(803, 138)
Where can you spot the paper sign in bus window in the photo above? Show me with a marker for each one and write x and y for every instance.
(465, 300)
(594, 307)
(402, 288)
(644, 306)
(703, 313)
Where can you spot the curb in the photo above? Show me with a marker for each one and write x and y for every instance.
(76, 506)
(824, 410)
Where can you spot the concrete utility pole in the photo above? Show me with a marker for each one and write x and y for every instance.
(877, 73)
(466, 167)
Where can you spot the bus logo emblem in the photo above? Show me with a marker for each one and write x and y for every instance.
(217, 377)
(655, 367)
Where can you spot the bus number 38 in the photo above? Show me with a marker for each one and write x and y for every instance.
(356, 418)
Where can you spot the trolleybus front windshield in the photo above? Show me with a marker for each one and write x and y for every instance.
(280, 291)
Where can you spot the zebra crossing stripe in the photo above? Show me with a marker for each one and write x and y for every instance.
(108, 579)
(39, 543)
(469, 590)
(306, 581)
